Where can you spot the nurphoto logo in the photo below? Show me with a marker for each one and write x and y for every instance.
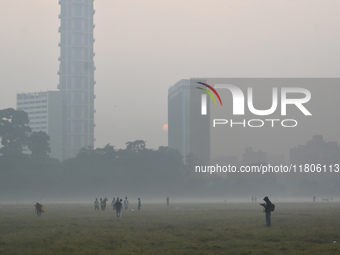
(280, 99)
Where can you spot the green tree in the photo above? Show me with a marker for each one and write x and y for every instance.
(39, 145)
(135, 146)
(14, 131)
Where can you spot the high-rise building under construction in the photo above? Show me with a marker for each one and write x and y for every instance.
(76, 74)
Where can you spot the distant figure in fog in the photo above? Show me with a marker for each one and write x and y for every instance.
(314, 199)
(96, 204)
(139, 204)
(119, 206)
(113, 203)
(268, 208)
(126, 203)
(167, 201)
(105, 200)
(255, 198)
(103, 204)
(117, 199)
(38, 208)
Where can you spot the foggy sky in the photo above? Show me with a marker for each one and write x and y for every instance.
(143, 47)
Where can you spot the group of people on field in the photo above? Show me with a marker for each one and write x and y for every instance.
(38, 208)
(117, 205)
(101, 203)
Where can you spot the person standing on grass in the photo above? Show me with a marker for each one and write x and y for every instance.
(126, 203)
(139, 204)
(96, 204)
(167, 201)
(104, 203)
(38, 208)
(101, 204)
(113, 203)
(118, 205)
(121, 207)
(268, 208)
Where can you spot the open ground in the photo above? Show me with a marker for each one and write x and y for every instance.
(183, 228)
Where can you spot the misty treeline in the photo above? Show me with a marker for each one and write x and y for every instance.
(135, 171)
(105, 171)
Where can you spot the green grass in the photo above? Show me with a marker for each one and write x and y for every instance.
(178, 229)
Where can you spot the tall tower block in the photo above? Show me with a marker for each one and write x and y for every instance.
(76, 74)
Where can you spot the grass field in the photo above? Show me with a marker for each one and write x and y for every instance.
(309, 228)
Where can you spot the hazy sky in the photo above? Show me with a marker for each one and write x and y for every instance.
(144, 46)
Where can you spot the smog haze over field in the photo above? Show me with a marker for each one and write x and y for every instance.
(143, 47)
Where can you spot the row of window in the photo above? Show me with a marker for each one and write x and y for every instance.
(38, 117)
(32, 107)
(77, 10)
(79, 97)
(30, 113)
(80, 127)
(77, 39)
(38, 128)
(77, 53)
(78, 68)
(85, 25)
(38, 122)
(79, 141)
(33, 102)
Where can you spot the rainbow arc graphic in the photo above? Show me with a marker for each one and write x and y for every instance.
(204, 97)
(209, 93)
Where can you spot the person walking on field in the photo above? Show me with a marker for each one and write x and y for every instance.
(113, 203)
(38, 208)
(126, 203)
(104, 203)
(139, 204)
(268, 208)
(96, 204)
(101, 204)
(119, 207)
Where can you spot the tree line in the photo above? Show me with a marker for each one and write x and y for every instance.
(133, 171)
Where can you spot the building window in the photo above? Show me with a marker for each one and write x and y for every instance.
(78, 97)
(78, 10)
(86, 113)
(86, 142)
(77, 141)
(77, 68)
(77, 53)
(77, 82)
(77, 112)
(77, 126)
(86, 127)
(77, 24)
(77, 39)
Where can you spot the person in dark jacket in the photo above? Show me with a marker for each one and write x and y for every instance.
(268, 210)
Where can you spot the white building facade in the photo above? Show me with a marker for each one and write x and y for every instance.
(45, 113)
